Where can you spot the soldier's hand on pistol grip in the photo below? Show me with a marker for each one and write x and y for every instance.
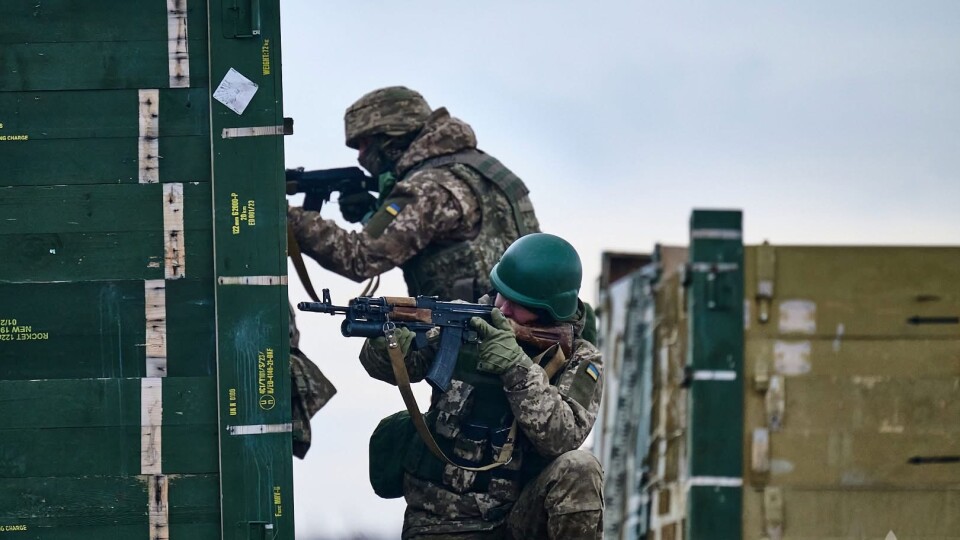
(499, 350)
(404, 340)
(354, 206)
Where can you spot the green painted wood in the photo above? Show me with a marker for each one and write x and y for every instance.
(50, 256)
(715, 307)
(105, 507)
(89, 329)
(89, 507)
(100, 115)
(92, 137)
(82, 209)
(70, 457)
(256, 471)
(28, 67)
(254, 388)
(195, 506)
(100, 332)
(106, 20)
(101, 161)
(97, 232)
(92, 427)
(191, 331)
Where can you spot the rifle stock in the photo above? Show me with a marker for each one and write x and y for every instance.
(542, 337)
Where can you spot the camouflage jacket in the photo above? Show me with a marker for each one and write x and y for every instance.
(429, 208)
(310, 390)
(554, 417)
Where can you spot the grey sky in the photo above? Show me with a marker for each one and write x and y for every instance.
(826, 122)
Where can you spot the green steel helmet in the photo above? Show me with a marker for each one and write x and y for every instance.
(392, 111)
(540, 271)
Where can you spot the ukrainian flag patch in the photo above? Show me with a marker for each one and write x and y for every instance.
(393, 209)
(593, 371)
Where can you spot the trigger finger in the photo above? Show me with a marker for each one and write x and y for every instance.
(479, 325)
(500, 320)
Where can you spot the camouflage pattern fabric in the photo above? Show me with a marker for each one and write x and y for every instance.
(394, 110)
(310, 390)
(554, 420)
(564, 502)
(429, 208)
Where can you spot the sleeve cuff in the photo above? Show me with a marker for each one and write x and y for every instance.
(516, 375)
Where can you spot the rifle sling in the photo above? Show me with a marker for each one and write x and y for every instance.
(557, 361)
(293, 248)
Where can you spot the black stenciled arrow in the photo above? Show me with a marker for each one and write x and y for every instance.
(927, 460)
(916, 319)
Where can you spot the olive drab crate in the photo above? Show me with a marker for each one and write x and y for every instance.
(144, 387)
(780, 392)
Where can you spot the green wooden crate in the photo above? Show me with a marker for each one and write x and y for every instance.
(143, 322)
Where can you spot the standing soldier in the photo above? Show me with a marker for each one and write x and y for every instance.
(446, 211)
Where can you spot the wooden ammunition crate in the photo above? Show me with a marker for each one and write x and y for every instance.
(144, 387)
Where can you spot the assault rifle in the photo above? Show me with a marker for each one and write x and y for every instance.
(321, 183)
(372, 317)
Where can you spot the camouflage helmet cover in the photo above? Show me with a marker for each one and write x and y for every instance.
(393, 111)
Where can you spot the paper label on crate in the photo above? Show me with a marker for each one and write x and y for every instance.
(235, 91)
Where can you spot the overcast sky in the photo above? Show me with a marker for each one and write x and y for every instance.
(826, 122)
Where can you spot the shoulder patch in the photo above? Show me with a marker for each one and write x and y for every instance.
(393, 208)
(385, 215)
(593, 371)
(584, 383)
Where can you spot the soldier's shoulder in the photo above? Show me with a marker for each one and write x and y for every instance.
(586, 350)
(432, 180)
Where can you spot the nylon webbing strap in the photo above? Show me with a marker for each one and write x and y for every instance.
(492, 169)
(403, 383)
(293, 248)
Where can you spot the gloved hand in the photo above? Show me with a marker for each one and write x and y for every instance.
(356, 204)
(499, 350)
(404, 340)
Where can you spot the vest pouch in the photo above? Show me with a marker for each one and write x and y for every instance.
(418, 460)
(394, 438)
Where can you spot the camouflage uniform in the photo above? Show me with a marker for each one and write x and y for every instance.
(445, 224)
(310, 390)
(548, 490)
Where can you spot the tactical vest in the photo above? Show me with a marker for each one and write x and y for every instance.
(460, 270)
(470, 423)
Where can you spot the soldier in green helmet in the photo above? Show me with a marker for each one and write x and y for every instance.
(502, 390)
(445, 211)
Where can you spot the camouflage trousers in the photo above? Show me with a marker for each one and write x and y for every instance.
(310, 390)
(565, 501)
